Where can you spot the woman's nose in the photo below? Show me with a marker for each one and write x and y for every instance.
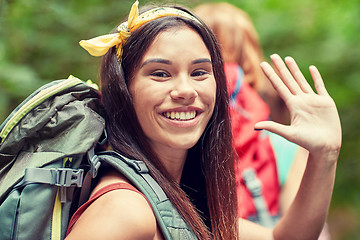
(184, 90)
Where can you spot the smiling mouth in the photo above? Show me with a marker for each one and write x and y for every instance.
(180, 116)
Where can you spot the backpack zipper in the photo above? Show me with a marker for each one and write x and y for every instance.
(37, 99)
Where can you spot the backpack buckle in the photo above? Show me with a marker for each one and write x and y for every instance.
(66, 177)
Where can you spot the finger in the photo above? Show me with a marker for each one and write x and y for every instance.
(299, 77)
(285, 74)
(318, 81)
(276, 82)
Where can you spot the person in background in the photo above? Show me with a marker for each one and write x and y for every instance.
(266, 161)
(166, 101)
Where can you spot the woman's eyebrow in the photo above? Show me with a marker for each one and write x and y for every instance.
(156, 60)
(202, 60)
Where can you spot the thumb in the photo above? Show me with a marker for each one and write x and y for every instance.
(273, 127)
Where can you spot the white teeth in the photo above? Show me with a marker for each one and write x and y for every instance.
(182, 116)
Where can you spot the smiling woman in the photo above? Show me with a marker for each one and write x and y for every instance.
(163, 91)
(166, 101)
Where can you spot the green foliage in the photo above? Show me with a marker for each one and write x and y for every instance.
(39, 43)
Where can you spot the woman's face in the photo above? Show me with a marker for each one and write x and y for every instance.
(174, 90)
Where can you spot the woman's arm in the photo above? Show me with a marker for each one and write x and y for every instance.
(315, 125)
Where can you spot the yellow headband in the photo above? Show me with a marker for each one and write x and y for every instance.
(99, 46)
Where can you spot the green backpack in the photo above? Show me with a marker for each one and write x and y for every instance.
(48, 158)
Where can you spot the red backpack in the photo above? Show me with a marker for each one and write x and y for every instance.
(256, 173)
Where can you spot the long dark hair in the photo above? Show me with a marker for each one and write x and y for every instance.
(213, 152)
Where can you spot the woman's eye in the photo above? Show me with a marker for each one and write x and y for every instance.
(199, 73)
(160, 74)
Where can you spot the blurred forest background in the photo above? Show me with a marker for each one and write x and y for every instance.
(39, 43)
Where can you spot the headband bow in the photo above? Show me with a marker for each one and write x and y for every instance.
(99, 46)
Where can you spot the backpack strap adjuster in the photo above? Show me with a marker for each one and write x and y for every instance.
(94, 162)
(139, 166)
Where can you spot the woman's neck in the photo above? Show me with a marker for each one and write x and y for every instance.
(173, 160)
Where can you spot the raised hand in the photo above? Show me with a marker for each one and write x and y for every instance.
(315, 123)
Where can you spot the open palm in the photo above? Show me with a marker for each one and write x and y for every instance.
(315, 123)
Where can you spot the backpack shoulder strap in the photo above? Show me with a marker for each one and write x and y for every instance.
(169, 220)
(253, 184)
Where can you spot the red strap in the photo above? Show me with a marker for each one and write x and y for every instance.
(99, 193)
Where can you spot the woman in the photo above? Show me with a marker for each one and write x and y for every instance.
(166, 100)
